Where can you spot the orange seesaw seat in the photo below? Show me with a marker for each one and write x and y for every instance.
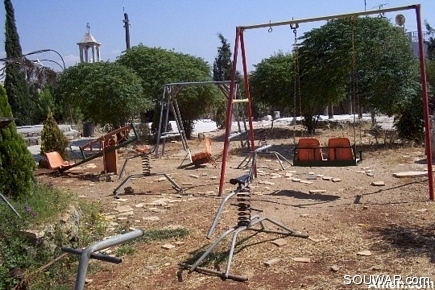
(205, 156)
(55, 161)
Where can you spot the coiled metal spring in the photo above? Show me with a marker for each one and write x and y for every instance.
(244, 207)
(146, 166)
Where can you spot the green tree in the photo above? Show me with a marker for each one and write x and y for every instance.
(366, 57)
(222, 68)
(16, 161)
(15, 82)
(272, 83)
(103, 92)
(52, 138)
(157, 67)
(430, 42)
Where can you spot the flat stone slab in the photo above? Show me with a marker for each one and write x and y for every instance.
(364, 253)
(272, 262)
(266, 182)
(410, 174)
(302, 260)
(168, 246)
(378, 183)
(314, 191)
(124, 208)
(279, 242)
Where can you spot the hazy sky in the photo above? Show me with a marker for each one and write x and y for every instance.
(188, 26)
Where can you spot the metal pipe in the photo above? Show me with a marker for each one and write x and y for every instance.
(100, 257)
(218, 213)
(304, 20)
(228, 121)
(425, 102)
(86, 254)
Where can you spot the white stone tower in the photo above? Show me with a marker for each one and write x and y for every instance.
(89, 43)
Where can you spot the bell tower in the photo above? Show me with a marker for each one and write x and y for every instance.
(87, 45)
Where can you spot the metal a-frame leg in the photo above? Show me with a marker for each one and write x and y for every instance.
(263, 150)
(245, 222)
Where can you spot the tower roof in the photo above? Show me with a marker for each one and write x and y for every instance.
(89, 39)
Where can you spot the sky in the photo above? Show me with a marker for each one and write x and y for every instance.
(186, 26)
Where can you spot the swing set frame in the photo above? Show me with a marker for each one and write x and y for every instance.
(239, 44)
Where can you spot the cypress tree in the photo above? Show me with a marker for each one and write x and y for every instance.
(16, 161)
(15, 81)
(52, 138)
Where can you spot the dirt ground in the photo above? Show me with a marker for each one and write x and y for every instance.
(354, 227)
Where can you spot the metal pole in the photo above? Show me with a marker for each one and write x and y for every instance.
(248, 95)
(159, 129)
(337, 16)
(425, 101)
(86, 254)
(127, 30)
(228, 123)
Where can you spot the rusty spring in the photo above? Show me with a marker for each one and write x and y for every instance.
(146, 166)
(244, 207)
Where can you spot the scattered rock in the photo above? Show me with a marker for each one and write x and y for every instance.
(296, 179)
(272, 262)
(334, 268)
(302, 260)
(306, 182)
(314, 191)
(327, 177)
(335, 179)
(279, 242)
(378, 183)
(422, 210)
(124, 208)
(168, 246)
(364, 253)
(266, 182)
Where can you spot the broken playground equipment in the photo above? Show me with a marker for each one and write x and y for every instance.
(245, 221)
(200, 158)
(145, 155)
(105, 146)
(169, 103)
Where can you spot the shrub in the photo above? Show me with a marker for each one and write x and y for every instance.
(16, 161)
(52, 138)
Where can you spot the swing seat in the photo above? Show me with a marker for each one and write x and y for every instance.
(205, 156)
(340, 153)
(308, 149)
(340, 149)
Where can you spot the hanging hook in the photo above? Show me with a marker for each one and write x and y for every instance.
(270, 28)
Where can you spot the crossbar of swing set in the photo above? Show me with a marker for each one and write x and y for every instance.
(337, 16)
(416, 7)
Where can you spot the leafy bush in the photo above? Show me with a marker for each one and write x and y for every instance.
(52, 138)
